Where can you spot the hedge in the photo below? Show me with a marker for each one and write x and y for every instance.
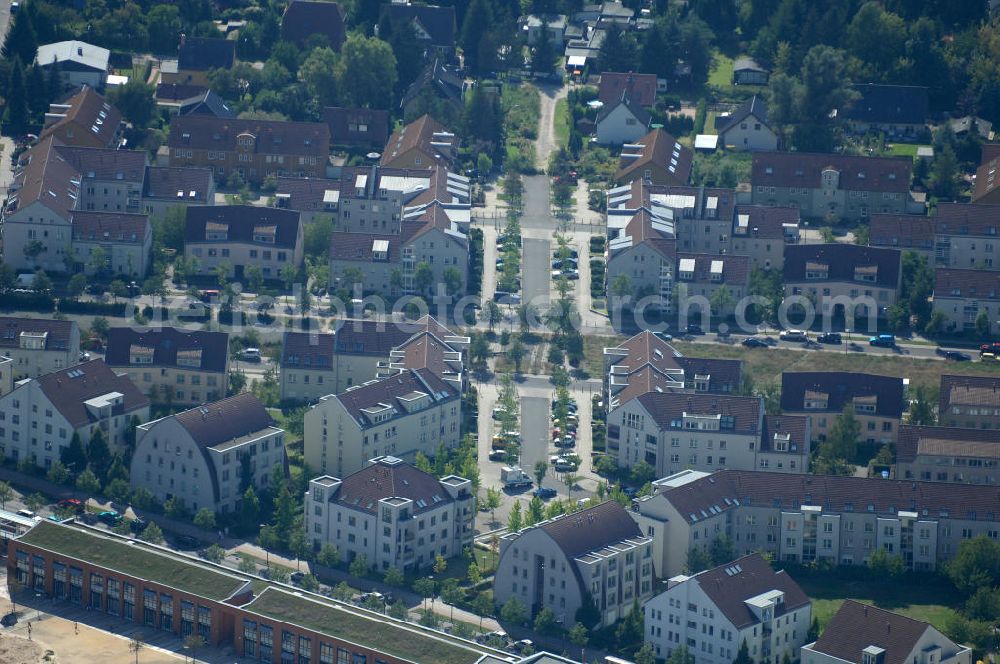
(94, 308)
(27, 302)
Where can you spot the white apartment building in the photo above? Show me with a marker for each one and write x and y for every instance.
(803, 518)
(412, 411)
(596, 553)
(392, 513)
(713, 612)
(870, 635)
(196, 456)
(39, 346)
(39, 417)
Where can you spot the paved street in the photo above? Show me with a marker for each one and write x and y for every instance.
(535, 272)
(535, 423)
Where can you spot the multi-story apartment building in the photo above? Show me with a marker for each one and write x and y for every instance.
(699, 279)
(404, 519)
(39, 346)
(155, 588)
(760, 233)
(597, 554)
(202, 456)
(40, 416)
(844, 280)
(712, 613)
(947, 454)
(252, 150)
(171, 366)
(963, 296)
(412, 411)
(905, 232)
(966, 236)
(241, 236)
(826, 518)
(85, 119)
(643, 256)
(831, 186)
(821, 396)
(972, 402)
(315, 364)
(674, 430)
(123, 240)
(863, 633)
(421, 144)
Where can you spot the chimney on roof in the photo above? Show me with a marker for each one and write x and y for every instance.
(79, 50)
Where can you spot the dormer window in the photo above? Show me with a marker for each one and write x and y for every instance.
(817, 271)
(140, 355)
(215, 231)
(189, 358)
(265, 234)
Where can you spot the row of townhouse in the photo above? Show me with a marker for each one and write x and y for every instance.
(140, 585)
(835, 519)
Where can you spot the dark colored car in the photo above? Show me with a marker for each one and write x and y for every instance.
(71, 504)
(754, 342)
(188, 542)
(883, 340)
(829, 338)
(89, 518)
(138, 525)
(695, 329)
(957, 356)
(544, 492)
(297, 577)
(110, 517)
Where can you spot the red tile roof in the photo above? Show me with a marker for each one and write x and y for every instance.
(729, 586)
(857, 626)
(967, 219)
(390, 479)
(110, 227)
(902, 231)
(668, 409)
(591, 529)
(952, 441)
(969, 391)
(659, 149)
(225, 420)
(68, 389)
(640, 88)
(975, 284)
(805, 170)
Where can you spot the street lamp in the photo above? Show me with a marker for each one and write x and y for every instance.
(267, 556)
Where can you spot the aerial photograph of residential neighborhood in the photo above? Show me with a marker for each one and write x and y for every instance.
(500, 331)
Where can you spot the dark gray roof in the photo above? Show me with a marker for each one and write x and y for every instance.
(207, 132)
(841, 387)
(176, 183)
(105, 163)
(307, 350)
(856, 626)
(591, 529)
(755, 106)
(390, 478)
(222, 421)
(166, 342)
(242, 220)
(842, 260)
(795, 426)
(340, 120)
(391, 391)
(437, 22)
(888, 104)
(766, 221)
(304, 18)
(443, 82)
(201, 54)
(735, 269)
(59, 332)
(68, 389)
(208, 103)
(112, 227)
(729, 586)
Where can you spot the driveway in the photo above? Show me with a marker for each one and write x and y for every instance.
(545, 144)
(535, 272)
(536, 211)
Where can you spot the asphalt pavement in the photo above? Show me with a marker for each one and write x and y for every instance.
(535, 423)
(536, 210)
(535, 272)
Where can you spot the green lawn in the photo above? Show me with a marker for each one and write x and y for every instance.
(721, 75)
(560, 123)
(905, 596)
(904, 149)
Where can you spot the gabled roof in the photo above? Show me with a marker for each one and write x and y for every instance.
(68, 391)
(110, 227)
(89, 111)
(888, 104)
(729, 586)
(187, 185)
(445, 83)
(756, 106)
(340, 120)
(735, 269)
(841, 261)
(914, 441)
(242, 222)
(658, 148)
(393, 392)
(58, 333)
(304, 18)
(644, 228)
(969, 391)
(967, 284)
(437, 23)
(207, 132)
(208, 103)
(796, 427)
(841, 388)
(591, 529)
(202, 54)
(669, 408)
(640, 88)
(307, 350)
(721, 372)
(178, 92)
(805, 169)
(857, 626)
(640, 114)
(745, 63)
(967, 219)
(44, 176)
(221, 421)
(901, 231)
(425, 134)
(166, 342)
(106, 163)
(986, 178)
(78, 52)
(390, 478)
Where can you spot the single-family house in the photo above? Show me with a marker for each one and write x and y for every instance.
(747, 128)
(79, 63)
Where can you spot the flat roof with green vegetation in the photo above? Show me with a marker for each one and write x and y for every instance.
(133, 558)
(341, 623)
